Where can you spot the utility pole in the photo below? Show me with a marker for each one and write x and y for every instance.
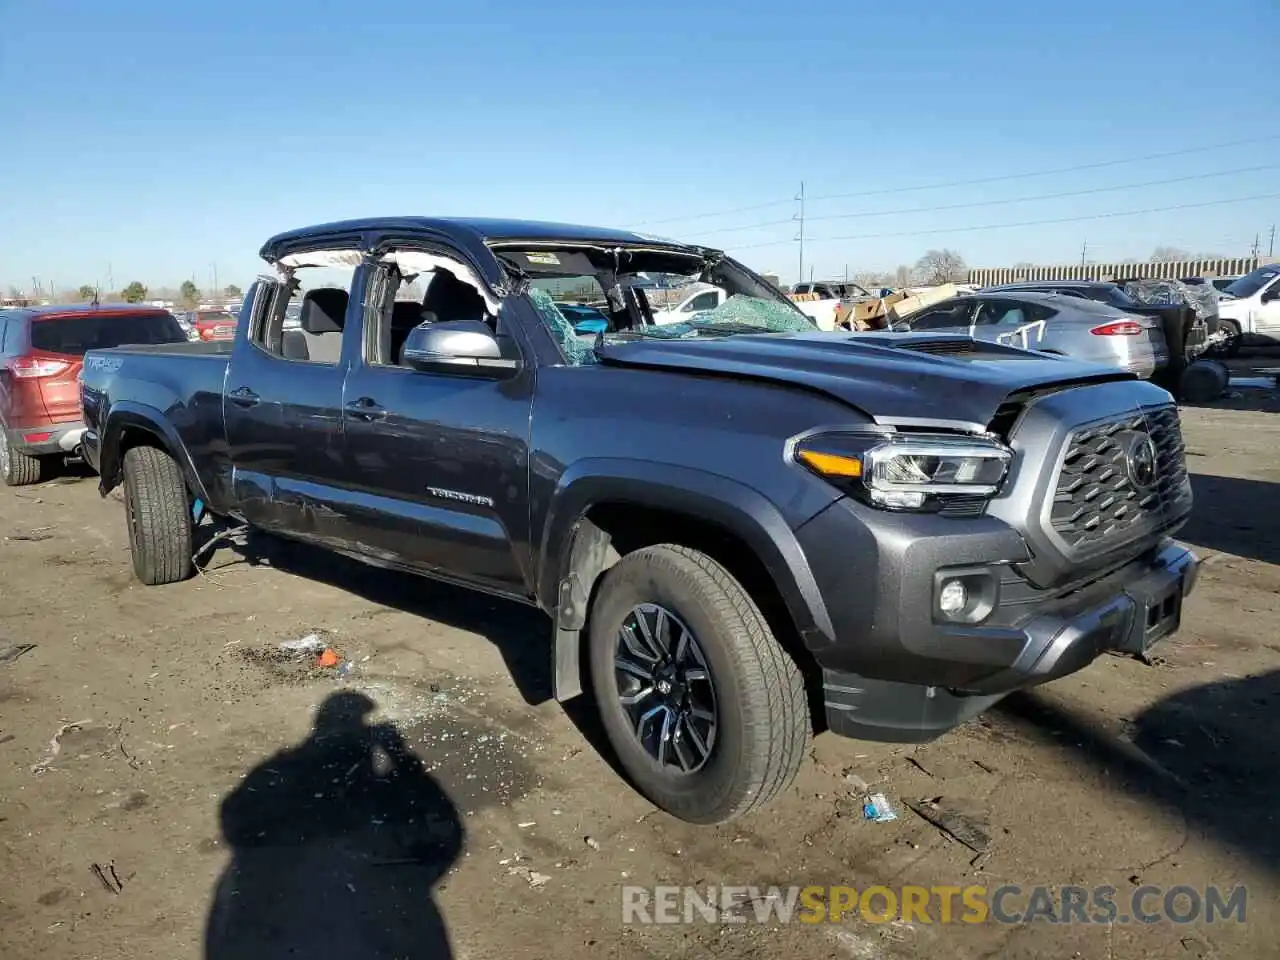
(1084, 249)
(1257, 243)
(800, 217)
(1271, 244)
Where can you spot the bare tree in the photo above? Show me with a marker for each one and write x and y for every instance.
(872, 279)
(1168, 255)
(902, 276)
(940, 266)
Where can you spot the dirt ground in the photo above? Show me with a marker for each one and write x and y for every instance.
(173, 785)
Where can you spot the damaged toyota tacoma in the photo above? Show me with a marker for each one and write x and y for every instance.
(744, 530)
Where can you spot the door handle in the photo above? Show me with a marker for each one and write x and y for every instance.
(366, 408)
(244, 397)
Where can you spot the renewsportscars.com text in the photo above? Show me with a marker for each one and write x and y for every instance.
(1008, 904)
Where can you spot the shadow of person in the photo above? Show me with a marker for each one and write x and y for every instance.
(521, 634)
(336, 844)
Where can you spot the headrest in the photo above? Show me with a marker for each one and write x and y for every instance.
(324, 310)
(406, 314)
(451, 299)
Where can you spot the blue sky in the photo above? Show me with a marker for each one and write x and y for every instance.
(162, 138)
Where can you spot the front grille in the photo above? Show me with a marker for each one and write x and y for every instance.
(1096, 500)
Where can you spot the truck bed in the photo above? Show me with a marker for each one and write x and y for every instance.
(191, 348)
(179, 384)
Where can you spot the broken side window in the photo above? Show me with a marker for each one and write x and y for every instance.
(577, 347)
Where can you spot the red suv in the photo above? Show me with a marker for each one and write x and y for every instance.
(41, 351)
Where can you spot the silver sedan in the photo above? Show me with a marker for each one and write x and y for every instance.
(1051, 323)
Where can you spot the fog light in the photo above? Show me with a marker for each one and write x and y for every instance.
(953, 598)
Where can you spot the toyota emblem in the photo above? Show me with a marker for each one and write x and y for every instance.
(1141, 461)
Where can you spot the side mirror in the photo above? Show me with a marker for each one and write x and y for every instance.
(1271, 293)
(456, 347)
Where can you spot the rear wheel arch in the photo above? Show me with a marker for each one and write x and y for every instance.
(138, 426)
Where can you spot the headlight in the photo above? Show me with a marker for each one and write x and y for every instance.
(907, 472)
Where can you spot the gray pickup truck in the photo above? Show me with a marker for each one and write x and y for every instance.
(743, 530)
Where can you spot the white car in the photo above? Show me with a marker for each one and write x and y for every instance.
(822, 312)
(1250, 307)
(704, 297)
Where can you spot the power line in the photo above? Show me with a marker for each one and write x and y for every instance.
(994, 203)
(1022, 223)
(718, 213)
(1046, 173)
(1099, 164)
(1048, 196)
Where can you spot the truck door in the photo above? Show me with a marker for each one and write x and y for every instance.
(1266, 316)
(282, 406)
(439, 461)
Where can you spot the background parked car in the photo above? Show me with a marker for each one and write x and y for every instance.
(585, 319)
(1051, 323)
(41, 351)
(1185, 335)
(214, 325)
(1200, 297)
(1252, 304)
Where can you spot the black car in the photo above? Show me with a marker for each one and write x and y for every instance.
(742, 529)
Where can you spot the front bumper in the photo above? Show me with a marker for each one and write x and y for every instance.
(898, 672)
(55, 439)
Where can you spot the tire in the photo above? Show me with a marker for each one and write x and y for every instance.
(17, 469)
(1204, 381)
(158, 516)
(756, 691)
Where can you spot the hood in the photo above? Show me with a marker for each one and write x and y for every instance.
(895, 379)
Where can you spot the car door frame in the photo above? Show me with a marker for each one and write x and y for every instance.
(481, 528)
(293, 485)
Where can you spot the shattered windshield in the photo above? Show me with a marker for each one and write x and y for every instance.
(584, 300)
(735, 314)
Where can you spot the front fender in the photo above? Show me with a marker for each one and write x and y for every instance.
(127, 414)
(710, 498)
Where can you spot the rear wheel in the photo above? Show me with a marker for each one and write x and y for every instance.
(707, 713)
(17, 468)
(158, 514)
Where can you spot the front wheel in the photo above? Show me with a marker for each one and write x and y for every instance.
(159, 516)
(707, 713)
